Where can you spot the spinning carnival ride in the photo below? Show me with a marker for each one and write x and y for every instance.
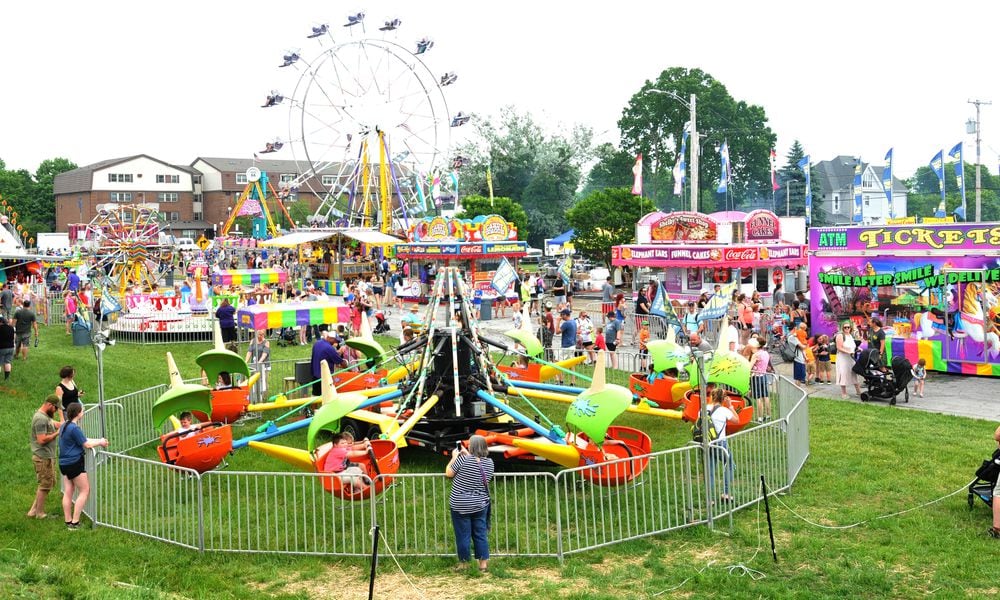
(368, 126)
(127, 242)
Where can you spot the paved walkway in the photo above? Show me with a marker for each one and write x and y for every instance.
(959, 395)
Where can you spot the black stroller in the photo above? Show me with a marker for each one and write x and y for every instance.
(381, 323)
(986, 480)
(884, 383)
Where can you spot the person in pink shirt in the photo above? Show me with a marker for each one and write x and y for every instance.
(760, 359)
(338, 460)
(69, 300)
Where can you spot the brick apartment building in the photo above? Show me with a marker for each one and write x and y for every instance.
(193, 199)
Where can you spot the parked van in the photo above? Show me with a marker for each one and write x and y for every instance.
(532, 256)
(185, 244)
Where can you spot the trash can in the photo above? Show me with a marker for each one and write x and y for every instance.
(303, 372)
(486, 310)
(81, 335)
(169, 279)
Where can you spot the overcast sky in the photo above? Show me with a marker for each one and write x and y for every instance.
(175, 80)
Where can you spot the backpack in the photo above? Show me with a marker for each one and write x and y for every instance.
(696, 433)
(832, 349)
(789, 349)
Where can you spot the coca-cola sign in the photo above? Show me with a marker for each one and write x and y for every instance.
(763, 225)
(739, 254)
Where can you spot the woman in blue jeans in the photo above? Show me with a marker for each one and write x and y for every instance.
(471, 471)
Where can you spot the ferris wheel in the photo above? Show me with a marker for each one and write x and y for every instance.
(368, 125)
(126, 240)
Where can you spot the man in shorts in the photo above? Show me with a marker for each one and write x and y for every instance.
(44, 434)
(6, 346)
(25, 322)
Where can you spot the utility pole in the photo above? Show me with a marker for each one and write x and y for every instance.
(695, 150)
(979, 139)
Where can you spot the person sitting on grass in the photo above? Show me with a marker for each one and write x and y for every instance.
(338, 460)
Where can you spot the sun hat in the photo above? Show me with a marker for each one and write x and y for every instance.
(753, 343)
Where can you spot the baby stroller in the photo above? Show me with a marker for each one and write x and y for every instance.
(884, 383)
(986, 480)
(381, 323)
(287, 337)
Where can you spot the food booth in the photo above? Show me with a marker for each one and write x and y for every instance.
(336, 255)
(691, 252)
(476, 245)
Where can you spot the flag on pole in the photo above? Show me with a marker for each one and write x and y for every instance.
(661, 306)
(255, 157)
(489, 184)
(857, 213)
(566, 269)
(887, 183)
(774, 171)
(503, 277)
(804, 165)
(680, 168)
(637, 174)
(958, 154)
(718, 305)
(937, 165)
(724, 163)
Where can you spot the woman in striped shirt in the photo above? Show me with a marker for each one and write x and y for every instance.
(471, 471)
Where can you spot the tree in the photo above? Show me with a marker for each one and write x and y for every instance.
(792, 182)
(539, 170)
(474, 206)
(924, 195)
(652, 124)
(605, 218)
(32, 197)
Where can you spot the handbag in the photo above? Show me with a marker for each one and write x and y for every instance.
(489, 499)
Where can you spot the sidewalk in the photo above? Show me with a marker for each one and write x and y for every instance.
(958, 395)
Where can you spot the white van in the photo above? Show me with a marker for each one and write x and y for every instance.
(185, 244)
(533, 256)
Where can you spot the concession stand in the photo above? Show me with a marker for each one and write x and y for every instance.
(476, 245)
(691, 252)
(336, 255)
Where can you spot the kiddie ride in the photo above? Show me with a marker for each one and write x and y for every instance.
(447, 389)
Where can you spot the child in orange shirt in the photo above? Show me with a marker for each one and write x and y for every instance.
(643, 338)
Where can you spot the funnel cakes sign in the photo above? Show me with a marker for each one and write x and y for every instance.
(688, 227)
(762, 225)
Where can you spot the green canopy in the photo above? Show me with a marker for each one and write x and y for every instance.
(598, 406)
(217, 361)
(327, 418)
(179, 398)
(532, 347)
(666, 354)
(732, 370)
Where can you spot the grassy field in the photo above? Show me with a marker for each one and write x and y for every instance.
(867, 460)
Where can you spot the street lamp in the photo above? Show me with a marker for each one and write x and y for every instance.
(694, 140)
(973, 127)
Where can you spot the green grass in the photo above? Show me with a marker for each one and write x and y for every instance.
(867, 460)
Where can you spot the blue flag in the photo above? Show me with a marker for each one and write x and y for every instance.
(503, 277)
(858, 213)
(680, 169)
(804, 165)
(724, 176)
(937, 165)
(718, 305)
(958, 155)
(566, 269)
(887, 183)
(662, 307)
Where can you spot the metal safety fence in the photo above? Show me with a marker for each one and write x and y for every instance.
(543, 513)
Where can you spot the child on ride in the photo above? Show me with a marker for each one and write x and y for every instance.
(338, 460)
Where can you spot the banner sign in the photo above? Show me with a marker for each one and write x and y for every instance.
(958, 239)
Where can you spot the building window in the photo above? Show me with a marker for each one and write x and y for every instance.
(867, 200)
(119, 178)
(126, 216)
(241, 178)
(286, 178)
(836, 204)
(196, 198)
(199, 216)
(328, 180)
(167, 197)
(121, 197)
(171, 216)
(168, 179)
(196, 179)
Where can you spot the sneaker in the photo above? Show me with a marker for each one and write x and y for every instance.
(73, 526)
(993, 532)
